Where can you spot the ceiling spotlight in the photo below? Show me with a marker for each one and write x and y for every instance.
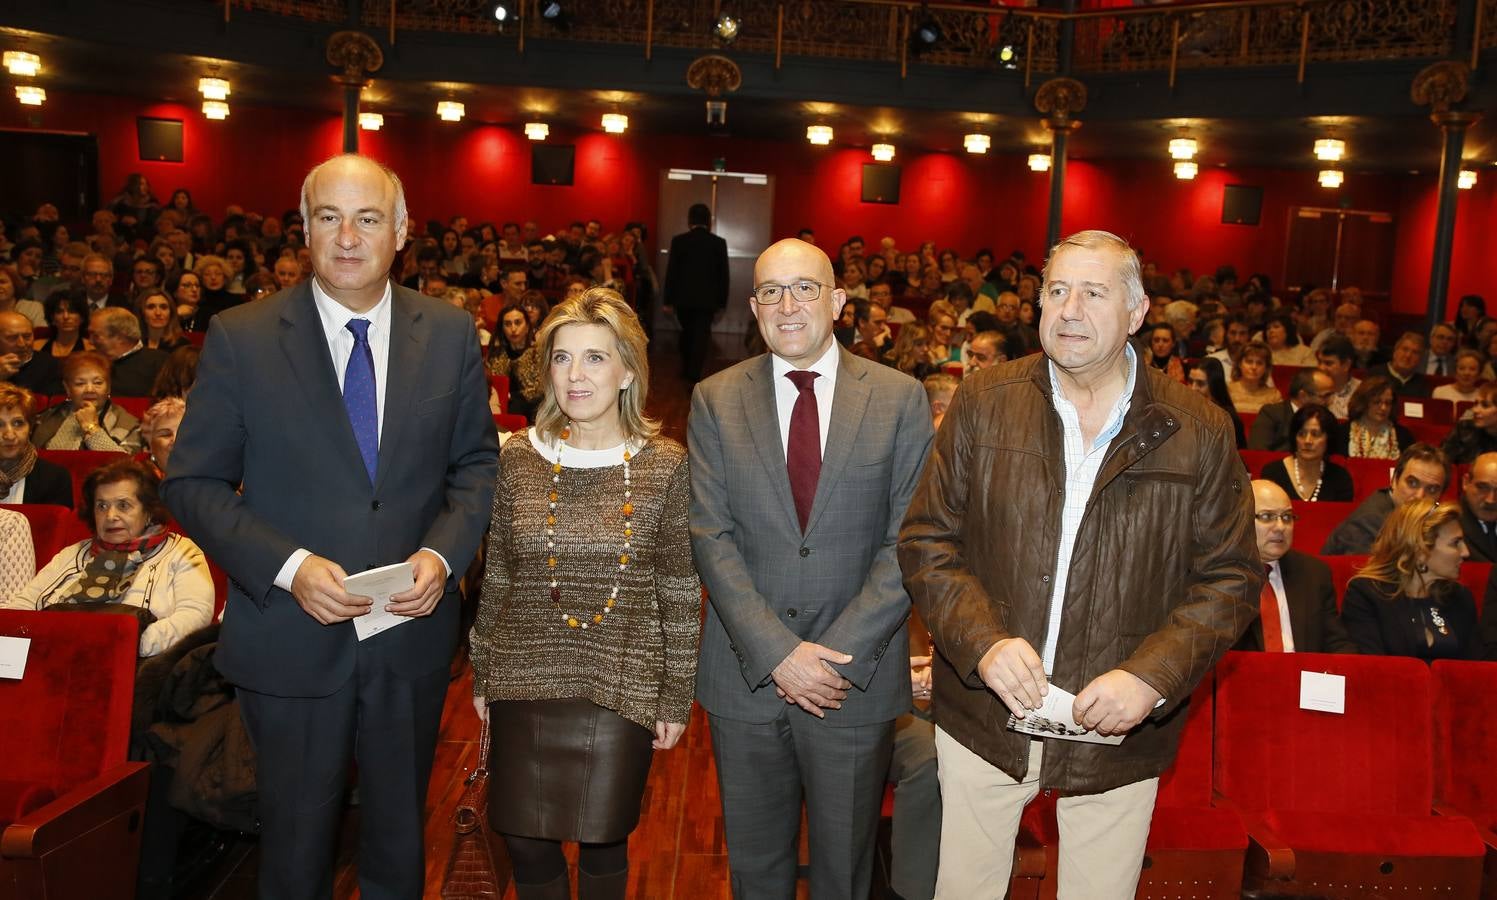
(1329, 149)
(371, 121)
(1008, 56)
(30, 95)
(1330, 178)
(551, 9)
(1182, 148)
(1039, 162)
(926, 34)
(1185, 170)
(977, 143)
(1466, 180)
(22, 64)
(537, 131)
(883, 152)
(217, 110)
(725, 28)
(450, 111)
(615, 123)
(502, 12)
(820, 135)
(213, 88)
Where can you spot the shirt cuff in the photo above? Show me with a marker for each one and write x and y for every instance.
(442, 558)
(293, 562)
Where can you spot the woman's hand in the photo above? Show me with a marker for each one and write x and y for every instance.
(87, 415)
(481, 706)
(667, 734)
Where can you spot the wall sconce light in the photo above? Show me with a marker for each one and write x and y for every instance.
(820, 135)
(1330, 178)
(615, 123)
(977, 143)
(1185, 170)
(1466, 180)
(30, 95)
(1182, 148)
(217, 110)
(537, 131)
(1329, 149)
(371, 121)
(22, 64)
(213, 88)
(883, 152)
(1039, 162)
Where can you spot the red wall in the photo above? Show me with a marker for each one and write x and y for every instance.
(257, 158)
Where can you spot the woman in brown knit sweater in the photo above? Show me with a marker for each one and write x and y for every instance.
(585, 647)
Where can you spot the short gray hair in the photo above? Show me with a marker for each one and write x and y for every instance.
(118, 322)
(1130, 270)
(306, 187)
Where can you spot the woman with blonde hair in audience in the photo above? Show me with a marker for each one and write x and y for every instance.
(132, 563)
(1467, 373)
(65, 312)
(1408, 600)
(160, 328)
(158, 428)
(87, 420)
(515, 355)
(946, 338)
(1249, 383)
(1372, 431)
(24, 476)
(177, 374)
(911, 352)
(585, 646)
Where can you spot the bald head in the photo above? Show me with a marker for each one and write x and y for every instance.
(1276, 536)
(807, 259)
(15, 335)
(1479, 487)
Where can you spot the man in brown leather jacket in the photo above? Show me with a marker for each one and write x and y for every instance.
(1084, 523)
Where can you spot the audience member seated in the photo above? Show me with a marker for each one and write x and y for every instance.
(1476, 435)
(911, 352)
(1364, 340)
(132, 563)
(86, 420)
(177, 375)
(1209, 379)
(1337, 356)
(1162, 352)
(1373, 432)
(17, 553)
(985, 350)
(1282, 338)
(1479, 508)
(186, 288)
(939, 389)
(1249, 384)
(1420, 473)
(1022, 339)
(1467, 372)
(20, 363)
(881, 293)
(65, 310)
(1408, 599)
(1297, 608)
(1237, 334)
(1308, 473)
(1470, 315)
(12, 301)
(1343, 321)
(871, 337)
(160, 329)
(158, 430)
(1439, 359)
(945, 344)
(25, 477)
(1271, 429)
(1402, 370)
(133, 366)
(515, 356)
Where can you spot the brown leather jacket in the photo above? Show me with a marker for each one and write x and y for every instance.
(1164, 577)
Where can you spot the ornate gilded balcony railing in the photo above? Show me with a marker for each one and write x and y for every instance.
(972, 34)
(1487, 32)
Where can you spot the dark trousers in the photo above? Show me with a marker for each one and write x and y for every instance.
(764, 770)
(915, 839)
(303, 748)
(696, 341)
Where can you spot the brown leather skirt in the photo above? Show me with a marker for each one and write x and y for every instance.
(565, 770)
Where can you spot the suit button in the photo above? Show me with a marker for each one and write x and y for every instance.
(805, 551)
(790, 613)
(376, 505)
(1045, 578)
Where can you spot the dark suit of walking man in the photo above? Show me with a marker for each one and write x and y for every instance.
(696, 286)
(798, 491)
(357, 446)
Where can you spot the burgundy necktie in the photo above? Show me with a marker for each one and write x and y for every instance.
(1268, 609)
(803, 450)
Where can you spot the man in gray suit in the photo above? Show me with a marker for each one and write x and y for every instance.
(338, 426)
(802, 463)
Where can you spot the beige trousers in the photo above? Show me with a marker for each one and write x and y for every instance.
(1102, 836)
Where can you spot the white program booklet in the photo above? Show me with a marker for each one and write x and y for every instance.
(378, 585)
(1055, 719)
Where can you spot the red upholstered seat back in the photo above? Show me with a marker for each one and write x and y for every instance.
(79, 464)
(135, 406)
(1374, 759)
(1255, 460)
(1367, 475)
(52, 528)
(1316, 522)
(1474, 575)
(1188, 781)
(1465, 736)
(1342, 570)
(68, 718)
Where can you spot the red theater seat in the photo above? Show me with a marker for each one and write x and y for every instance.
(71, 806)
(1465, 744)
(79, 463)
(1255, 460)
(135, 406)
(511, 422)
(1426, 410)
(52, 528)
(1342, 570)
(1316, 522)
(500, 384)
(1337, 804)
(1367, 475)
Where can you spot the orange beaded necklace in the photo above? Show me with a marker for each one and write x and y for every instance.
(628, 511)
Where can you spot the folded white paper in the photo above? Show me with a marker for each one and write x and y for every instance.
(1055, 718)
(1322, 692)
(13, 653)
(378, 585)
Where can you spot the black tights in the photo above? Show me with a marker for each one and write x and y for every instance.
(539, 861)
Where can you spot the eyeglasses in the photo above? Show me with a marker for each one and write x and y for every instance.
(800, 291)
(1267, 518)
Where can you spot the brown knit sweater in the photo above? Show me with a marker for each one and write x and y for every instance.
(641, 661)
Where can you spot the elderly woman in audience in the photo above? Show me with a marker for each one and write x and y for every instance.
(1209, 379)
(911, 352)
(24, 476)
(1249, 384)
(158, 428)
(1282, 337)
(65, 311)
(1473, 436)
(131, 561)
(87, 420)
(1408, 600)
(1467, 373)
(1309, 474)
(213, 272)
(12, 301)
(1163, 351)
(1371, 430)
(160, 329)
(515, 355)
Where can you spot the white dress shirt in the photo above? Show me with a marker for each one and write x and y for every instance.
(1276, 579)
(785, 393)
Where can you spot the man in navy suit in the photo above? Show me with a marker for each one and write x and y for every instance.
(696, 286)
(337, 426)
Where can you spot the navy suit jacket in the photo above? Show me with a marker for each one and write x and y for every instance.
(267, 413)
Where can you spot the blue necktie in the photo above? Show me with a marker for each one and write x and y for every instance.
(359, 396)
